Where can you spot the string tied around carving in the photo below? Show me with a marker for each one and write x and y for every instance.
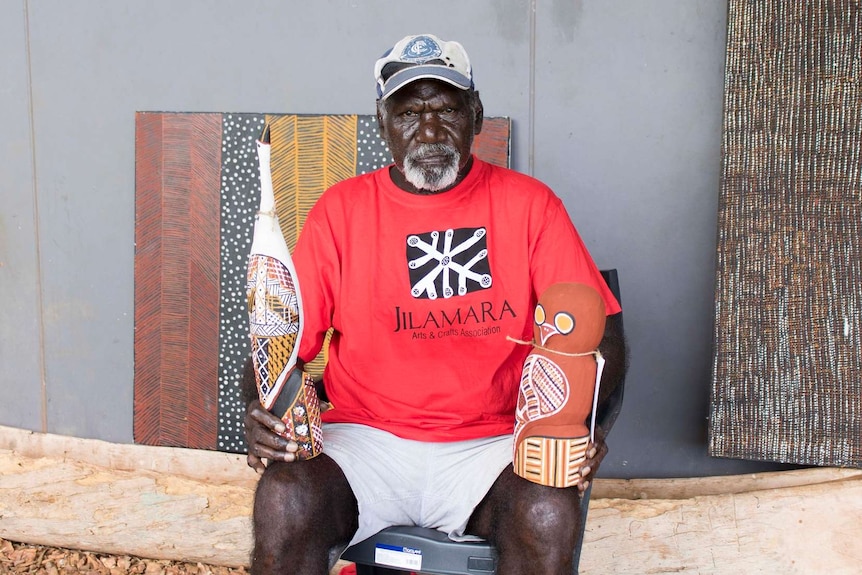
(595, 352)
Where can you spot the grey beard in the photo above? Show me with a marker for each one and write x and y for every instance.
(432, 179)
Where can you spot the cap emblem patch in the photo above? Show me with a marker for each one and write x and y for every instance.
(421, 49)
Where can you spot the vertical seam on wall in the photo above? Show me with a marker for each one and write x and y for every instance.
(531, 155)
(39, 292)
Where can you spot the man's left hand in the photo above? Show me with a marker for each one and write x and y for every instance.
(595, 454)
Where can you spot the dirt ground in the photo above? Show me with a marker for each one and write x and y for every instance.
(20, 558)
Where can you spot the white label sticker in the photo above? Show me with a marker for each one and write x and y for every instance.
(402, 557)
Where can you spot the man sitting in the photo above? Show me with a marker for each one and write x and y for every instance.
(423, 269)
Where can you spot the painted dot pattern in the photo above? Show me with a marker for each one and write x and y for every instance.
(240, 198)
(371, 151)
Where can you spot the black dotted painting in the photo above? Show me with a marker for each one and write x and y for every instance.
(240, 197)
(371, 150)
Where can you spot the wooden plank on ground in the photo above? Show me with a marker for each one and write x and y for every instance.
(69, 503)
(180, 504)
(788, 530)
(197, 464)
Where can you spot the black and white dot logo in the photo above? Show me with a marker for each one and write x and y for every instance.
(449, 263)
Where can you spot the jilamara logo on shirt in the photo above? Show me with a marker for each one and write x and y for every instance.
(483, 313)
(448, 264)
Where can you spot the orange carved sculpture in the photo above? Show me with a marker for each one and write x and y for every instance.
(559, 385)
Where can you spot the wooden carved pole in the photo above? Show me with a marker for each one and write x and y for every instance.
(275, 322)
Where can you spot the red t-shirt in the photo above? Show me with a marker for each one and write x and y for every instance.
(422, 292)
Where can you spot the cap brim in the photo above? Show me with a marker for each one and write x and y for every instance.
(432, 72)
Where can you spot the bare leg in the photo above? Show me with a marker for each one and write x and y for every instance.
(535, 528)
(301, 511)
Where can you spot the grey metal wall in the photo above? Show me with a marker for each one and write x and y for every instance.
(616, 105)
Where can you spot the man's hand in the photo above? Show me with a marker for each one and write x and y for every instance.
(596, 452)
(263, 434)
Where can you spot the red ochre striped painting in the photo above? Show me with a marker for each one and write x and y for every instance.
(196, 193)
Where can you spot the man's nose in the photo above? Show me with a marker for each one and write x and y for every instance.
(429, 127)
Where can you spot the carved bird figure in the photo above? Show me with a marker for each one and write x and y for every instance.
(559, 385)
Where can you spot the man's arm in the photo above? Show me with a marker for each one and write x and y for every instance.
(615, 352)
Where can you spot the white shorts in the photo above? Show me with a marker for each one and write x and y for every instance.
(404, 482)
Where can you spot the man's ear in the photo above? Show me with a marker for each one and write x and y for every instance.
(380, 126)
(480, 115)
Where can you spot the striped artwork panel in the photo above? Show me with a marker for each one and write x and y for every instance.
(196, 196)
(787, 372)
(176, 270)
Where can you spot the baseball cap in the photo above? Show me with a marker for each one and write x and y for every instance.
(422, 56)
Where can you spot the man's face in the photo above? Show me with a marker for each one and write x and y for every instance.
(429, 127)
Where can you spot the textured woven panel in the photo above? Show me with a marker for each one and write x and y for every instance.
(176, 270)
(196, 195)
(787, 373)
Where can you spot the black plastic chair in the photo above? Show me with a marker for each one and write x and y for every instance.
(402, 549)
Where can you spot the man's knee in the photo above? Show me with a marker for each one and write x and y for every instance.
(302, 510)
(279, 495)
(545, 529)
(291, 498)
(549, 516)
(528, 511)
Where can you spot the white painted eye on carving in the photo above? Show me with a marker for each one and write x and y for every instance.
(564, 322)
(539, 315)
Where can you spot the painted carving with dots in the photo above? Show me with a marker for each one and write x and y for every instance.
(559, 385)
(275, 322)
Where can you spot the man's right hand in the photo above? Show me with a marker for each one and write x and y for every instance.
(263, 434)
